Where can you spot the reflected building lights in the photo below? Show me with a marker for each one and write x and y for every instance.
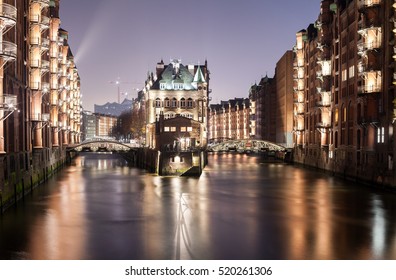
(378, 228)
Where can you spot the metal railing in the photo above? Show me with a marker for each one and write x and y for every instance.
(8, 11)
(8, 49)
(44, 3)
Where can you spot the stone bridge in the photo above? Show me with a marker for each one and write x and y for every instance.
(100, 145)
(246, 146)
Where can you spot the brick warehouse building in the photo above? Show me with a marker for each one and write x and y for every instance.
(229, 120)
(39, 98)
(344, 67)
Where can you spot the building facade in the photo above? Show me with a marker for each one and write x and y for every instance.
(284, 100)
(39, 96)
(177, 90)
(229, 120)
(263, 113)
(344, 67)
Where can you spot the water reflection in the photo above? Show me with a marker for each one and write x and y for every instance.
(240, 208)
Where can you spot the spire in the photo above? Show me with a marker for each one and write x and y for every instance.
(199, 77)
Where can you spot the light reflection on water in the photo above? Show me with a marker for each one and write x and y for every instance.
(240, 208)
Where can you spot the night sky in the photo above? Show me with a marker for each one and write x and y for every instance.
(241, 39)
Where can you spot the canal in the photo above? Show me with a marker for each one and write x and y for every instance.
(240, 208)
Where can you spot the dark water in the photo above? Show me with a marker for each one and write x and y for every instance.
(239, 208)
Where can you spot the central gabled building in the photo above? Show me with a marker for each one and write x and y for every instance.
(175, 91)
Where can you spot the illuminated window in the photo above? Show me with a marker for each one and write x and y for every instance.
(351, 71)
(166, 128)
(381, 135)
(189, 129)
(183, 129)
(344, 75)
(173, 129)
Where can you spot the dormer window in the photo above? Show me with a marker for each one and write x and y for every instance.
(178, 86)
(162, 86)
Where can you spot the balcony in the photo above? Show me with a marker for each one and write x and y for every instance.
(45, 44)
(45, 66)
(35, 41)
(8, 51)
(43, 3)
(45, 23)
(364, 4)
(323, 104)
(35, 63)
(323, 125)
(39, 117)
(35, 86)
(8, 15)
(368, 46)
(299, 110)
(367, 89)
(299, 128)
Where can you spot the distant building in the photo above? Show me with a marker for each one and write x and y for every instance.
(113, 109)
(98, 126)
(88, 128)
(229, 120)
(177, 90)
(263, 110)
(105, 126)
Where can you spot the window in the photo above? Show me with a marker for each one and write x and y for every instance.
(183, 129)
(183, 102)
(158, 103)
(189, 103)
(351, 71)
(169, 116)
(344, 75)
(187, 115)
(173, 129)
(167, 102)
(162, 86)
(166, 128)
(174, 102)
(189, 129)
(381, 135)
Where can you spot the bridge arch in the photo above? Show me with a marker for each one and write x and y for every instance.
(248, 145)
(99, 144)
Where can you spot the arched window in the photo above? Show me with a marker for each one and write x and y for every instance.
(174, 102)
(158, 103)
(189, 103)
(183, 102)
(167, 102)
